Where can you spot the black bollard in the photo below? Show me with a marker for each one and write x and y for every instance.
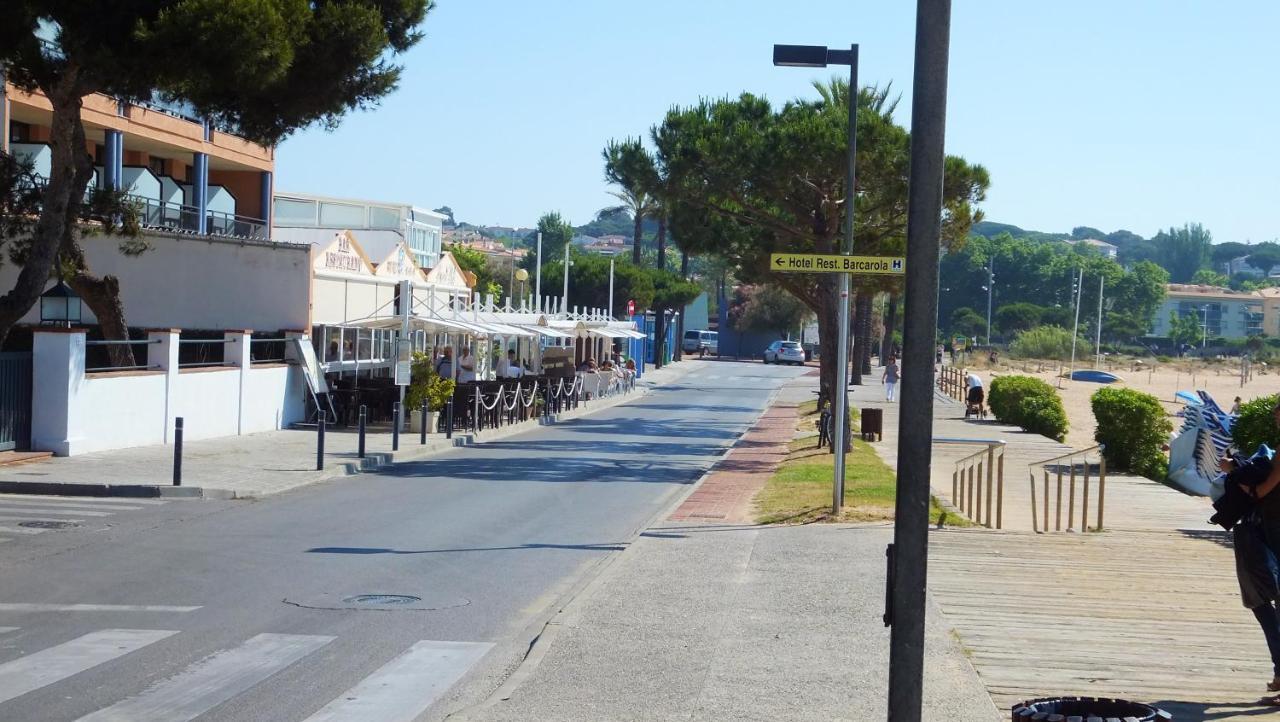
(177, 451)
(448, 420)
(360, 449)
(320, 443)
(422, 432)
(395, 426)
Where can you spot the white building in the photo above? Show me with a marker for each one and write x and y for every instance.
(1102, 247)
(298, 215)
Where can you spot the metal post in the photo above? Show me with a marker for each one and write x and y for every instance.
(320, 444)
(915, 423)
(991, 287)
(360, 448)
(422, 430)
(395, 426)
(1097, 351)
(1075, 331)
(177, 451)
(537, 277)
(840, 438)
(448, 420)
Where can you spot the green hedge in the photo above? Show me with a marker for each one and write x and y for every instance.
(1030, 403)
(1134, 428)
(1255, 425)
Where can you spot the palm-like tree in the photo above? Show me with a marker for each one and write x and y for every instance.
(629, 166)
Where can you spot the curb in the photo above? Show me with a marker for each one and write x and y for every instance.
(372, 462)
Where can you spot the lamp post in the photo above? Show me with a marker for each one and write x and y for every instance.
(60, 306)
(522, 276)
(819, 56)
(991, 285)
(1204, 328)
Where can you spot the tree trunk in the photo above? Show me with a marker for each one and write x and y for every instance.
(635, 243)
(859, 341)
(102, 296)
(828, 347)
(684, 264)
(662, 241)
(60, 205)
(659, 336)
(890, 320)
(684, 273)
(864, 329)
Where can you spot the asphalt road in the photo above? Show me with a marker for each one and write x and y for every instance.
(178, 610)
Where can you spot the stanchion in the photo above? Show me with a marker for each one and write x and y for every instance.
(448, 425)
(320, 444)
(422, 432)
(360, 449)
(177, 451)
(395, 426)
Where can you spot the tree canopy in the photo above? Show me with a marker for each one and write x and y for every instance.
(767, 308)
(556, 234)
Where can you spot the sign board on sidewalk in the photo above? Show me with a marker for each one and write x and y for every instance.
(818, 263)
(404, 362)
(301, 352)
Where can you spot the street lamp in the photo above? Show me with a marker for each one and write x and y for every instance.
(819, 56)
(522, 276)
(1204, 328)
(60, 306)
(991, 284)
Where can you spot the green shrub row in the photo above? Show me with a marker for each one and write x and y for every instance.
(1134, 429)
(1030, 403)
(1255, 425)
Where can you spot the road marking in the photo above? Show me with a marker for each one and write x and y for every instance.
(20, 530)
(31, 607)
(20, 519)
(57, 663)
(212, 681)
(6, 630)
(401, 689)
(86, 501)
(52, 511)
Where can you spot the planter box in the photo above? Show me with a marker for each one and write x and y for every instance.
(415, 421)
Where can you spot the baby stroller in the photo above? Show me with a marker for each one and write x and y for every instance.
(974, 404)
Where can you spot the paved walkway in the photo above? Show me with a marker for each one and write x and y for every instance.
(723, 621)
(1148, 610)
(259, 465)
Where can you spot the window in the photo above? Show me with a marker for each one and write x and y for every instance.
(19, 132)
(290, 212)
(341, 215)
(384, 217)
(159, 166)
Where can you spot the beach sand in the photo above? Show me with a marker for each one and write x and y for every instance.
(1221, 380)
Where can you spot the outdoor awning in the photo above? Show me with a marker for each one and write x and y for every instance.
(504, 329)
(615, 333)
(548, 332)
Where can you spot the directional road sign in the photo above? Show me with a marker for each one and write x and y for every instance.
(816, 263)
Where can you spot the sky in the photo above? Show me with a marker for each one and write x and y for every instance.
(1133, 114)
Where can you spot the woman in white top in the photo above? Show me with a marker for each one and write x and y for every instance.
(466, 366)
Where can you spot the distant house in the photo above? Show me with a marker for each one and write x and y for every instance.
(1242, 266)
(1222, 312)
(611, 245)
(1102, 247)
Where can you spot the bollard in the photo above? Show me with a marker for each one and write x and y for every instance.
(360, 449)
(320, 444)
(177, 451)
(422, 432)
(395, 426)
(448, 425)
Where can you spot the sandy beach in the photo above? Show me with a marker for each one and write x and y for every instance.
(1221, 380)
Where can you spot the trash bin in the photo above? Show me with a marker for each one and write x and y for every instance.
(872, 424)
(1085, 708)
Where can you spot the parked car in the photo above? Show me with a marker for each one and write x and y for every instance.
(784, 352)
(700, 342)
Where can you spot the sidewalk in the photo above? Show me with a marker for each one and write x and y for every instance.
(258, 465)
(1148, 610)
(719, 621)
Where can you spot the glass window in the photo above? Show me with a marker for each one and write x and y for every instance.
(289, 212)
(341, 215)
(384, 217)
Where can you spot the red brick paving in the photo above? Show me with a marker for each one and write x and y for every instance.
(726, 493)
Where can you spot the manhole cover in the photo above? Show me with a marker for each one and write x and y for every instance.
(384, 600)
(47, 524)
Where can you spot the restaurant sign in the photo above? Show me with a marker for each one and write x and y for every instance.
(342, 257)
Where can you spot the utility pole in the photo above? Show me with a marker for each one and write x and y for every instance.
(564, 297)
(610, 289)
(1075, 330)
(991, 286)
(908, 558)
(1097, 358)
(537, 278)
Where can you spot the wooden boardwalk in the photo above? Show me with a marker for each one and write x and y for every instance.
(1148, 610)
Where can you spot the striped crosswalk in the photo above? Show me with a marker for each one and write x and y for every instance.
(24, 515)
(398, 691)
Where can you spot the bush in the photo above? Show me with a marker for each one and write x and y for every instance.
(1029, 403)
(426, 384)
(1042, 342)
(1133, 427)
(1255, 425)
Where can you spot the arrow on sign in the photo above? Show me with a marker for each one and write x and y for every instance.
(778, 262)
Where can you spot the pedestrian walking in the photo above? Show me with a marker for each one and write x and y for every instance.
(890, 378)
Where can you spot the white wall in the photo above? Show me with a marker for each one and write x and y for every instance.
(201, 283)
(77, 414)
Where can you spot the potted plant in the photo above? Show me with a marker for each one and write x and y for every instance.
(426, 384)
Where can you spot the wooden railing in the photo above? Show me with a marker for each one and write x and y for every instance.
(951, 382)
(967, 480)
(1067, 468)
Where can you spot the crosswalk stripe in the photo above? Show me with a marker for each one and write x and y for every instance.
(6, 630)
(57, 663)
(36, 607)
(401, 689)
(52, 511)
(20, 530)
(212, 681)
(20, 519)
(69, 502)
(82, 500)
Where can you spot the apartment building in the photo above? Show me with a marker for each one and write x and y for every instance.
(1222, 313)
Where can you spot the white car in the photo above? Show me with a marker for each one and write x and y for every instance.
(784, 352)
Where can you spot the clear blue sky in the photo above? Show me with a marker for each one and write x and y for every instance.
(1136, 114)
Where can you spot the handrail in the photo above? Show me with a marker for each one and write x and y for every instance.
(120, 342)
(1071, 492)
(966, 480)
